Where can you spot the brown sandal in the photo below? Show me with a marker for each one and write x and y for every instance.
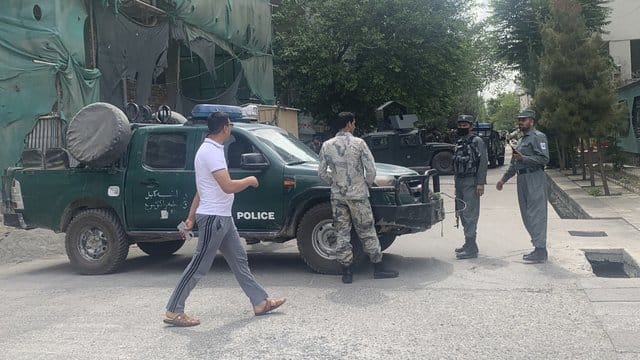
(181, 320)
(270, 304)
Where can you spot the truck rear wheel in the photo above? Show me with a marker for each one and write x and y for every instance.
(96, 243)
(161, 249)
(443, 162)
(317, 241)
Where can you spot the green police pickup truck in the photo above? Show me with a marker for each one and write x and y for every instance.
(143, 196)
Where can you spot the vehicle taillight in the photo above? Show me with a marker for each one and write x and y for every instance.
(16, 196)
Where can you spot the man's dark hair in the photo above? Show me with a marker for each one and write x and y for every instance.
(216, 122)
(343, 119)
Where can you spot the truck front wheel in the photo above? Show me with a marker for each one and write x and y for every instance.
(96, 243)
(160, 249)
(317, 241)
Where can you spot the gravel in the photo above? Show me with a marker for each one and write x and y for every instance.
(18, 246)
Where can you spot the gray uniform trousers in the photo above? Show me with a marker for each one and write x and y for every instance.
(216, 232)
(358, 213)
(466, 191)
(532, 198)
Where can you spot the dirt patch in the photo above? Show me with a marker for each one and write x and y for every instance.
(26, 245)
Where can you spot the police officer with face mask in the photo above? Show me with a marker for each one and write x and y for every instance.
(470, 173)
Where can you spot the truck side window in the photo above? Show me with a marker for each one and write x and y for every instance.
(166, 151)
(235, 149)
(409, 140)
(378, 143)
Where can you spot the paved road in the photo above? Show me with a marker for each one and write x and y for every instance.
(493, 307)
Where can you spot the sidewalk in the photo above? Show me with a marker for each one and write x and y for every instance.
(622, 204)
(616, 302)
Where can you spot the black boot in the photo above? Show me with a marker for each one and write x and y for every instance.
(380, 272)
(467, 242)
(470, 252)
(539, 255)
(347, 274)
(461, 248)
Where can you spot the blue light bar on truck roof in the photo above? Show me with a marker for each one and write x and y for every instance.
(202, 111)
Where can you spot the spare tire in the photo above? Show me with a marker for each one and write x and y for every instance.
(98, 134)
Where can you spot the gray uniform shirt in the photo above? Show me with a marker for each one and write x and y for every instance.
(352, 166)
(535, 150)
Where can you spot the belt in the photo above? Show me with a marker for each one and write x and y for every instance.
(529, 170)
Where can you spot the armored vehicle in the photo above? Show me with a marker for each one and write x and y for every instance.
(493, 142)
(398, 142)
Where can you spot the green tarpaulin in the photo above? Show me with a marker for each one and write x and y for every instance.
(244, 23)
(36, 55)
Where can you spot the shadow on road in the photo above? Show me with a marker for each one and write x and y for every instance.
(272, 269)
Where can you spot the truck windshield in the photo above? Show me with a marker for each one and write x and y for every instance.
(290, 149)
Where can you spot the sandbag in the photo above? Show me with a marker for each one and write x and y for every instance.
(98, 135)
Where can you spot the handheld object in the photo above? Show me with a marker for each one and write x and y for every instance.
(182, 227)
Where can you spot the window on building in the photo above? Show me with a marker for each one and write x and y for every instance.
(635, 58)
(624, 129)
(166, 151)
(635, 116)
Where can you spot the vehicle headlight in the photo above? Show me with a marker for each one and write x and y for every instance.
(384, 180)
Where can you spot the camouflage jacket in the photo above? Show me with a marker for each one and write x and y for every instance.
(351, 164)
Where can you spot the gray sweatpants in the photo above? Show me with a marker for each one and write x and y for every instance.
(532, 198)
(216, 232)
(466, 191)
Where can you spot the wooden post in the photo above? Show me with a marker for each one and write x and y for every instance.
(603, 175)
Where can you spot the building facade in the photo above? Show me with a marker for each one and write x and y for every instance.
(623, 36)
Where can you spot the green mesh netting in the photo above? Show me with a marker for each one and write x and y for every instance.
(40, 47)
(258, 69)
(244, 23)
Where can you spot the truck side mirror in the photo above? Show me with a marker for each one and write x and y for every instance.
(253, 161)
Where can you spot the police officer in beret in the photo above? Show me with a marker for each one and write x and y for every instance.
(470, 174)
(529, 158)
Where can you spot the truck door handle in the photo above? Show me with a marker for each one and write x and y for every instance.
(150, 182)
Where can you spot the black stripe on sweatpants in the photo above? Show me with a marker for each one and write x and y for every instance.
(196, 263)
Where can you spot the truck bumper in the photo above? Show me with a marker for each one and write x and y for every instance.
(409, 218)
(14, 220)
(408, 211)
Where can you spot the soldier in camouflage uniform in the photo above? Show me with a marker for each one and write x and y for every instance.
(352, 172)
(470, 174)
(529, 159)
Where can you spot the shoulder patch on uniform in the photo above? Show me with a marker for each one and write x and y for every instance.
(543, 145)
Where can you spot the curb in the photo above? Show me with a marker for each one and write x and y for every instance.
(564, 204)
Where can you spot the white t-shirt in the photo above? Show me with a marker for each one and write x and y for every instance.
(213, 201)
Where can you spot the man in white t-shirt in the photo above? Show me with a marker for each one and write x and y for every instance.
(211, 209)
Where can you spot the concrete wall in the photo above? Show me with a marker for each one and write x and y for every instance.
(622, 29)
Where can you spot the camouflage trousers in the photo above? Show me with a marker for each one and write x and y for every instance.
(357, 213)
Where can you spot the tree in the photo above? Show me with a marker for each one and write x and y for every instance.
(336, 55)
(503, 109)
(518, 28)
(576, 93)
